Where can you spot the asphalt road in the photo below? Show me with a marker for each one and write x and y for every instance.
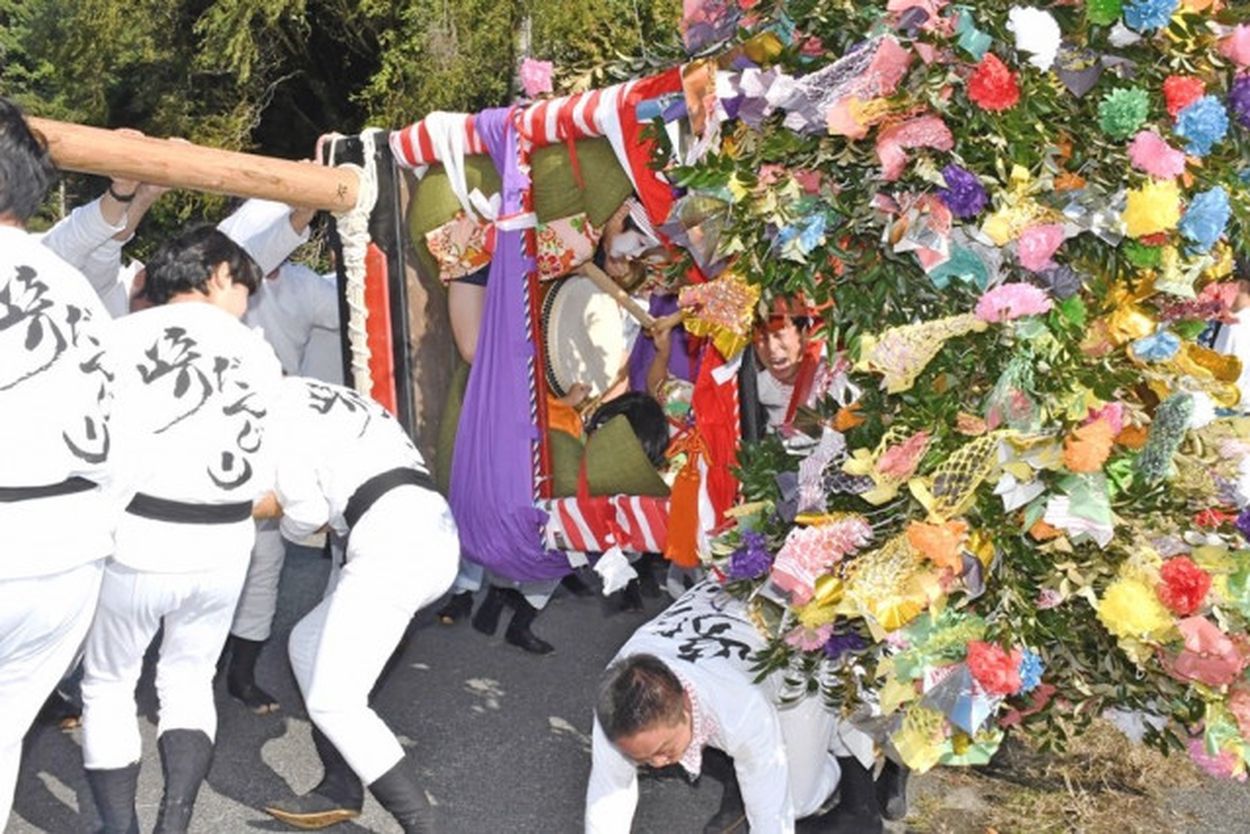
(500, 737)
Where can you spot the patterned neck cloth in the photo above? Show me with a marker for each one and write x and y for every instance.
(703, 728)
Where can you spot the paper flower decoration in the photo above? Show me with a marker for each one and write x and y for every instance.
(1180, 91)
(964, 195)
(1037, 244)
(993, 85)
(1036, 33)
(1086, 449)
(1149, 15)
(536, 77)
(809, 552)
(752, 559)
(1167, 431)
(1012, 301)
(997, 671)
(1031, 669)
(1130, 609)
(1203, 123)
(1122, 112)
(1151, 153)
(1209, 656)
(1236, 47)
(1153, 208)
(1183, 585)
(1239, 99)
(1206, 218)
(1103, 12)
(927, 131)
(900, 354)
(941, 544)
(723, 310)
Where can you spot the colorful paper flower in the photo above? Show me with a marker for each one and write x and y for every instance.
(1036, 33)
(1209, 656)
(1239, 99)
(1222, 765)
(752, 559)
(1037, 244)
(964, 195)
(1183, 585)
(536, 77)
(841, 644)
(993, 85)
(1206, 218)
(1151, 153)
(1203, 123)
(941, 544)
(1130, 609)
(1167, 430)
(1180, 91)
(1123, 112)
(1243, 523)
(1086, 449)
(997, 671)
(1153, 208)
(1149, 15)
(1012, 301)
(1031, 669)
(1103, 12)
(1236, 47)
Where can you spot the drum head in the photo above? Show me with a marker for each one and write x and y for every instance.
(584, 336)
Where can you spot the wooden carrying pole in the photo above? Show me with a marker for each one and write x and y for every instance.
(91, 150)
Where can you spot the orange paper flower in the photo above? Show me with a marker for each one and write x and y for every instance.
(1087, 448)
(848, 417)
(1132, 437)
(941, 544)
(1041, 531)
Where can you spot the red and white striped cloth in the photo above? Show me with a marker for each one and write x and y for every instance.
(415, 146)
(636, 524)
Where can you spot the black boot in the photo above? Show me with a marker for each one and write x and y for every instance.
(731, 818)
(857, 811)
(892, 790)
(114, 795)
(576, 586)
(241, 676)
(631, 596)
(457, 608)
(398, 792)
(646, 568)
(338, 797)
(486, 620)
(518, 633)
(185, 757)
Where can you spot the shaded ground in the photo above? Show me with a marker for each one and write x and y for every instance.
(501, 740)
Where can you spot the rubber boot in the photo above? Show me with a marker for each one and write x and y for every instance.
(731, 818)
(486, 620)
(338, 797)
(185, 757)
(399, 793)
(631, 596)
(857, 811)
(241, 676)
(892, 790)
(114, 794)
(576, 586)
(518, 633)
(457, 608)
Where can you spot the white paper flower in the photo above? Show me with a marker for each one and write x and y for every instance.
(1037, 33)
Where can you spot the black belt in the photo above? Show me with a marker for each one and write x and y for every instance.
(371, 490)
(180, 512)
(69, 486)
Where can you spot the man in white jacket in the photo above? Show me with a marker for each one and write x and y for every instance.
(684, 682)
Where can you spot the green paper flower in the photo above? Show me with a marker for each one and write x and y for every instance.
(1166, 433)
(1142, 256)
(1123, 112)
(1103, 12)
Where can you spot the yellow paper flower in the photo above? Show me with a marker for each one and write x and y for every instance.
(1130, 609)
(1153, 208)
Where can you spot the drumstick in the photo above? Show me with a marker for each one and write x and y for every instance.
(603, 282)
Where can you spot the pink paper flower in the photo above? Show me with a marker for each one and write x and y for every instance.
(928, 131)
(1223, 765)
(1112, 412)
(1037, 244)
(1209, 656)
(1151, 153)
(1011, 301)
(809, 553)
(536, 77)
(809, 639)
(1236, 47)
(901, 459)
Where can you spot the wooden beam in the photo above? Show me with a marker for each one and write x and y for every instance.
(92, 150)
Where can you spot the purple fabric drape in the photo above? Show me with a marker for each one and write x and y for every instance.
(492, 494)
(644, 349)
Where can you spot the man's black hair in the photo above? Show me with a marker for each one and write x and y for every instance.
(637, 693)
(187, 262)
(26, 170)
(645, 417)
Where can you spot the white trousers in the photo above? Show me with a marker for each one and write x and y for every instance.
(814, 738)
(43, 620)
(253, 619)
(401, 556)
(196, 608)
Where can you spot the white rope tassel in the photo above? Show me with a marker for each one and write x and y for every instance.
(353, 226)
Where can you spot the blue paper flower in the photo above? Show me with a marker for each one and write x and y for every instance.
(806, 233)
(752, 559)
(964, 195)
(1157, 347)
(1203, 123)
(1149, 15)
(1206, 218)
(1031, 668)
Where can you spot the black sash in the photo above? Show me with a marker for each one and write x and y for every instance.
(371, 490)
(180, 512)
(69, 486)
